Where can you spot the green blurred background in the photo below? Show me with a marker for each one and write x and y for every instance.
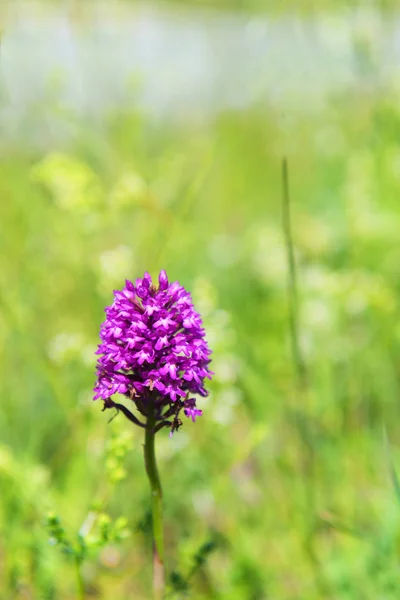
(140, 137)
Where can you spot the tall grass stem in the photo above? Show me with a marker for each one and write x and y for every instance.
(79, 580)
(298, 359)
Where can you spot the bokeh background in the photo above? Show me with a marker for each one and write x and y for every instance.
(145, 136)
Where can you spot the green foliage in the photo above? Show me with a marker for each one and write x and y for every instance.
(98, 529)
(180, 583)
(103, 531)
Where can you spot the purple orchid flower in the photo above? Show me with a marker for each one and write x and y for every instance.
(153, 351)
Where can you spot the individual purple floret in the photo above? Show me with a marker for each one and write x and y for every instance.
(153, 351)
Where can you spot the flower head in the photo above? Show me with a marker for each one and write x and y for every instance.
(153, 351)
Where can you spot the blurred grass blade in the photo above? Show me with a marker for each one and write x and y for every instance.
(392, 469)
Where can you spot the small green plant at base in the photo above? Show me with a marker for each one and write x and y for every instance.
(98, 529)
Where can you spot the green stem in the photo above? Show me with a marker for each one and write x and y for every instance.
(156, 507)
(298, 358)
(79, 579)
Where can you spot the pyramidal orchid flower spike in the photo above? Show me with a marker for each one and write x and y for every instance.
(153, 351)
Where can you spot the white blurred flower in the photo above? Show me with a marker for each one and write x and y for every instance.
(317, 313)
(224, 250)
(230, 397)
(130, 188)
(110, 557)
(85, 397)
(226, 368)
(308, 344)
(73, 184)
(204, 296)
(392, 162)
(65, 346)
(330, 141)
(320, 280)
(168, 446)
(221, 318)
(269, 255)
(224, 406)
(115, 266)
(218, 331)
(356, 302)
(203, 502)
(87, 354)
